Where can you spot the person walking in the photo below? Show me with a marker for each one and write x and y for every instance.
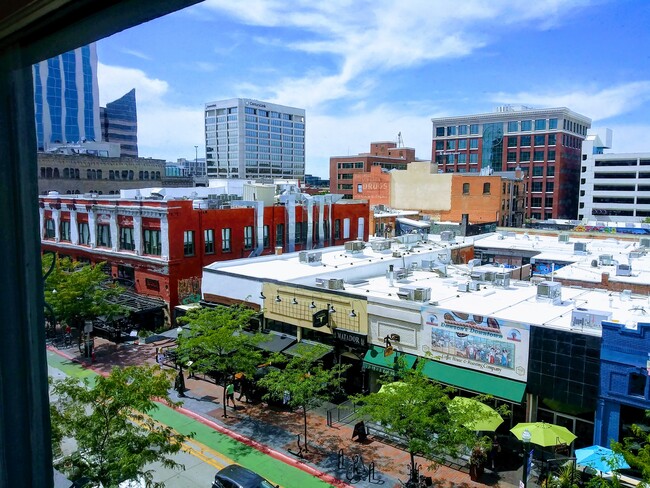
(230, 394)
(494, 453)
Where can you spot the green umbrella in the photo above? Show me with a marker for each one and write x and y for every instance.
(544, 434)
(487, 419)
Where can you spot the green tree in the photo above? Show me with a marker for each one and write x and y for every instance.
(77, 292)
(218, 345)
(115, 438)
(304, 382)
(636, 449)
(416, 409)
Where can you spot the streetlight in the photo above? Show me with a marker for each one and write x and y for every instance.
(525, 437)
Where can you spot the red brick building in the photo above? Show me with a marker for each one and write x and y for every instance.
(386, 155)
(162, 245)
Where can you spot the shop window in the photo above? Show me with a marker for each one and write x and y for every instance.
(266, 236)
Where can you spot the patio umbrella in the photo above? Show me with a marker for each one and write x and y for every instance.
(600, 458)
(488, 420)
(392, 387)
(544, 434)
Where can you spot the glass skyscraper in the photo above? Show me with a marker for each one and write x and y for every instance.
(120, 124)
(247, 138)
(66, 98)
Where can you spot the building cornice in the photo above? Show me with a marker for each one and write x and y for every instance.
(561, 112)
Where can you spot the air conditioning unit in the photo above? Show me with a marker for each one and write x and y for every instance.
(446, 236)
(549, 291)
(464, 286)
(473, 262)
(502, 279)
(563, 238)
(623, 270)
(579, 247)
(397, 254)
(379, 245)
(414, 293)
(489, 276)
(474, 285)
(428, 264)
(310, 257)
(478, 275)
(605, 259)
(330, 283)
(402, 273)
(637, 254)
(354, 246)
(583, 318)
(644, 242)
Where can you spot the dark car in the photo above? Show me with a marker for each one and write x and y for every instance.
(236, 476)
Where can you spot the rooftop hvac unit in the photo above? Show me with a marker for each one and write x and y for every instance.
(626, 295)
(397, 254)
(380, 208)
(428, 264)
(330, 283)
(380, 245)
(464, 286)
(579, 247)
(563, 238)
(478, 276)
(549, 290)
(354, 246)
(644, 241)
(489, 276)
(502, 279)
(446, 236)
(310, 257)
(474, 286)
(623, 270)
(473, 262)
(583, 318)
(637, 254)
(402, 273)
(414, 293)
(605, 259)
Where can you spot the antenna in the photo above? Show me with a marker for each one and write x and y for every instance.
(400, 141)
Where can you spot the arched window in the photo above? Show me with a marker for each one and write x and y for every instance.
(465, 188)
(141, 175)
(89, 174)
(146, 175)
(66, 173)
(42, 172)
(99, 174)
(56, 173)
(130, 174)
(48, 173)
(76, 175)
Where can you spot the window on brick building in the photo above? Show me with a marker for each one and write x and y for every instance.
(84, 233)
(279, 235)
(65, 230)
(49, 229)
(103, 235)
(225, 239)
(337, 229)
(248, 237)
(208, 238)
(151, 242)
(126, 239)
(486, 188)
(465, 188)
(267, 241)
(636, 384)
(188, 243)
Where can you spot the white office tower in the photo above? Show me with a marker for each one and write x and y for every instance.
(247, 138)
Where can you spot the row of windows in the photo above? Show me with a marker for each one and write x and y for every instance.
(97, 174)
(538, 186)
(512, 126)
(486, 188)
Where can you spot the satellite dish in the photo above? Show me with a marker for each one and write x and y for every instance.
(388, 351)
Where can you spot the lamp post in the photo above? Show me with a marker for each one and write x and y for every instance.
(525, 437)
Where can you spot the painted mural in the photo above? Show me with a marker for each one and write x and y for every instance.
(189, 290)
(486, 344)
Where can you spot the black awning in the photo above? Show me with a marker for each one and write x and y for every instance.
(275, 341)
(137, 303)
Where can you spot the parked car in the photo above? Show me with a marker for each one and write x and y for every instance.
(236, 476)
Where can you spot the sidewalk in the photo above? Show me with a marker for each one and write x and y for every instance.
(263, 427)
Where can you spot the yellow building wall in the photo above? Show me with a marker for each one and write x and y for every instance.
(421, 187)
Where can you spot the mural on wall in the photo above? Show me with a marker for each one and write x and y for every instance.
(477, 342)
(189, 290)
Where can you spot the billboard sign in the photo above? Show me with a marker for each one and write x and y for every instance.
(471, 341)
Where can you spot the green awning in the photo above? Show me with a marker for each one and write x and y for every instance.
(376, 361)
(475, 381)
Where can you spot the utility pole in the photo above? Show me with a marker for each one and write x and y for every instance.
(196, 159)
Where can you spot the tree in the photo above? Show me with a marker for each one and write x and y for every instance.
(77, 292)
(416, 409)
(218, 345)
(304, 382)
(115, 438)
(636, 449)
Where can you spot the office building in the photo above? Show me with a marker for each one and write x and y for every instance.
(545, 143)
(247, 138)
(120, 124)
(385, 154)
(613, 187)
(66, 98)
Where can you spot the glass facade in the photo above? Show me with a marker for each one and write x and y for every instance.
(492, 156)
(120, 124)
(66, 99)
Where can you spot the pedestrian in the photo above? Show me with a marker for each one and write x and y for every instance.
(230, 394)
(160, 356)
(494, 453)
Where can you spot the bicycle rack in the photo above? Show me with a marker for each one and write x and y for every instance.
(371, 471)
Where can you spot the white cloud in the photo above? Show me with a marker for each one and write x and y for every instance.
(594, 102)
(115, 81)
(165, 130)
(627, 138)
(137, 54)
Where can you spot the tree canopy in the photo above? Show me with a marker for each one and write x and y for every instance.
(304, 382)
(115, 438)
(218, 345)
(78, 292)
(636, 449)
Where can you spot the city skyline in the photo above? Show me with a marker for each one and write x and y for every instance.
(366, 71)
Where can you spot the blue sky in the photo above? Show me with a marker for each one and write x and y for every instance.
(365, 71)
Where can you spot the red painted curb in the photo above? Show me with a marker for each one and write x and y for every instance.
(234, 435)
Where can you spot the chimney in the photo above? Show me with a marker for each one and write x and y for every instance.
(604, 279)
(390, 274)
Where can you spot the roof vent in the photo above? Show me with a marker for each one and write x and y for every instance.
(330, 283)
(414, 293)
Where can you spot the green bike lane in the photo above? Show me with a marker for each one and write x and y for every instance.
(274, 465)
